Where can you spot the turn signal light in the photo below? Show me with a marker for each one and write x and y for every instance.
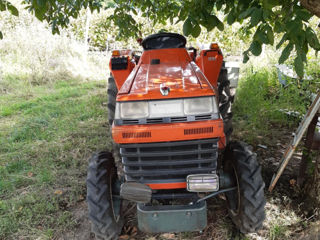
(115, 53)
(214, 46)
(203, 183)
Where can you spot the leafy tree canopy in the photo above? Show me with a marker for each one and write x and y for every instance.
(264, 19)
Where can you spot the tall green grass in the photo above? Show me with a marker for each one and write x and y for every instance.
(262, 104)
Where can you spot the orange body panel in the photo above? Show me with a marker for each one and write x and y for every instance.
(167, 132)
(120, 76)
(176, 70)
(210, 62)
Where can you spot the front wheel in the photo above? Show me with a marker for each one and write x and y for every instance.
(103, 200)
(246, 204)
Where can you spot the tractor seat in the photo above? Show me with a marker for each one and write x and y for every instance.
(163, 41)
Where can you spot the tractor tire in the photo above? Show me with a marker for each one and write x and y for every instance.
(225, 102)
(104, 208)
(246, 204)
(225, 98)
(112, 95)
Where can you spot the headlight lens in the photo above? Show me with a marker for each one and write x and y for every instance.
(166, 108)
(134, 110)
(195, 106)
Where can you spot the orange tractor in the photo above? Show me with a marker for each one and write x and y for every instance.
(169, 113)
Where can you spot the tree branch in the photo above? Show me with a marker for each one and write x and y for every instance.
(312, 5)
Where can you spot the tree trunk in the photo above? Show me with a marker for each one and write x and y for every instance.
(312, 189)
(86, 34)
(312, 5)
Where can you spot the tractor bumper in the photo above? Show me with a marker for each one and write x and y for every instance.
(172, 218)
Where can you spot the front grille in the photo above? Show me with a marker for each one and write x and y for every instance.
(203, 117)
(165, 119)
(168, 161)
(154, 120)
(130, 122)
(179, 119)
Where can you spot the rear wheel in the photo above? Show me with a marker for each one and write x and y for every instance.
(246, 204)
(103, 200)
(225, 101)
(112, 95)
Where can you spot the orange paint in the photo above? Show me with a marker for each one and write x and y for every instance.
(167, 132)
(176, 70)
(210, 62)
(120, 76)
(167, 185)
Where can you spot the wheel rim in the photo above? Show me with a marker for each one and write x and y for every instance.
(115, 201)
(236, 211)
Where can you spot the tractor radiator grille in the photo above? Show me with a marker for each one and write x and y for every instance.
(168, 161)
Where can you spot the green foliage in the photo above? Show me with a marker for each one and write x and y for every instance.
(265, 18)
(103, 33)
(58, 13)
(260, 96)
(285, 53)
(7, 6)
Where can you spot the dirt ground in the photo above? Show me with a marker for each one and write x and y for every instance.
(287, 217)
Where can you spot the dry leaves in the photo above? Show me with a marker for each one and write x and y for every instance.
(293, 182)
(58, 192)
(168, 235)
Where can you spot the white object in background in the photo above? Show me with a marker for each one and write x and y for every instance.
(233, 69)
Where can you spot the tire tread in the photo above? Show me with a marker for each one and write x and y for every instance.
(103, 224)
(251, 214)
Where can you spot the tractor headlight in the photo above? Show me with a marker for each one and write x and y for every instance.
(166, 108)
(133, 110)
(203, 105)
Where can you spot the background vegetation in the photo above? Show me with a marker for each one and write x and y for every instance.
(53, 116)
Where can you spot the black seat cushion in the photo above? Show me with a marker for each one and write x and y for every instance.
(164, 40)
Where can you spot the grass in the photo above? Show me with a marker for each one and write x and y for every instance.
(48, 131)
(277, 232)
(47, 134)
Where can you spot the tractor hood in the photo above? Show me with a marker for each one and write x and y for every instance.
(156, 71)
